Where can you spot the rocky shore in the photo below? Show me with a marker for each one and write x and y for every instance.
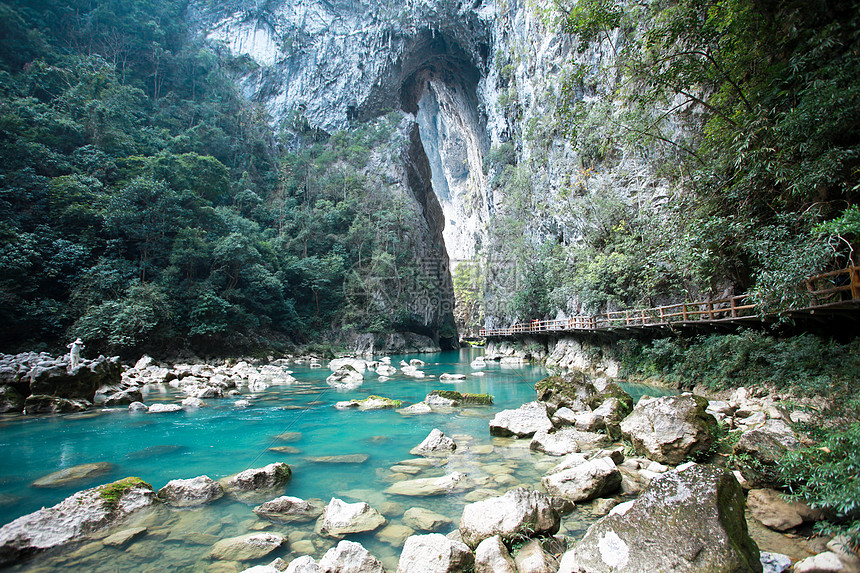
(653, 470)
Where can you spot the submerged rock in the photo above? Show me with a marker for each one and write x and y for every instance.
(73, 518)
(425, 487)
(520, 512)
(422, 519)
(340, 518)
(670, 429)
(342, 459)
(687, 521)
(248, 547)
(286, 509)
(190, 492)
(74, 475)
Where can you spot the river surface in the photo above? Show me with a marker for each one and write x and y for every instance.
(220, 440)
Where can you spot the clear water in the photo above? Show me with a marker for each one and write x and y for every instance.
(221, 440)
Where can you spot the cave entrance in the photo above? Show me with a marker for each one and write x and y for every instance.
(442, 93)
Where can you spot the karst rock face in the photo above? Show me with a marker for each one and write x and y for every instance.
(472, 76)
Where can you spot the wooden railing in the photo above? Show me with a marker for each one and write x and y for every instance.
(824, 289)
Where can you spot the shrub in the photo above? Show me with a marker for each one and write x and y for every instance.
(828, 477)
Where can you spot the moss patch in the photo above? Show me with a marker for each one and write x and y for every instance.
(113, 492)
(389, 402)
(482, 399)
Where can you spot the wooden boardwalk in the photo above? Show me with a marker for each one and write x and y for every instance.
(828, 293)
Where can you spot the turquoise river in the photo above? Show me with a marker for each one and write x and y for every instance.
(220, 439)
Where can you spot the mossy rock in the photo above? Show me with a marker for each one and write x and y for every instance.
(112, 493)
(464, 398)
(613, 390)
(572, 387)
(389, 403)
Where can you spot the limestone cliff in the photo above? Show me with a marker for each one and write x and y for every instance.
(475, 76)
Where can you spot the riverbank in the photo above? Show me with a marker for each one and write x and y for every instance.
(298, 422)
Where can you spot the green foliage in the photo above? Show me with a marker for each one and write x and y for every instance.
(142, 204)
(806, 364)
(746, 108)
(827, 477)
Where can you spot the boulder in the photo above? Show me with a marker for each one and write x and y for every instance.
(440, 400)
(435, 443)
(10, 399)
(774, 562)
(419, 408)
(286, 509)
(582, 482)
(769, 508)
(386, 370)
(304, 564)
(452, 377)
(764, 445)
(670, 429)
(164, 408)
(81, 383)
(520, 512)
(192, 403)
(257, 483)
(434, 553)
(686, 521)
(190, 492)
(532, 558)
(524, 422)
(567, 441)
(41, 404)
(612, 412)
(248, 547)
(421, 519)
(138, 407)
(452, 398)
(74, 475)
(425, 487)
(827, 562)
(73, 518)
(340, 518)
(356, 364)
(349, 557)
(123, 397)
(345, 377)
(369, 403)
(492, 556)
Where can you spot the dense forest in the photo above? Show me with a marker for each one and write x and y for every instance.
(147, 206)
